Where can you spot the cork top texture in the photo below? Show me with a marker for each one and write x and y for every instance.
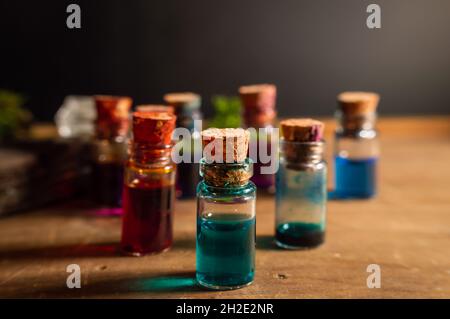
(183, 100)
(302, 130)
(155, 108)
(112, 115)
(358, 103)
(228, 145)
(154, 128)
(258, 103)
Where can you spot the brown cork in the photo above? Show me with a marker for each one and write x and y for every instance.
(155, 108)
(183, 100)
(302, 130)
(358, 103)
(227, 145)
(261, 96)
(112, 115)
(154, 128)
(220, 175)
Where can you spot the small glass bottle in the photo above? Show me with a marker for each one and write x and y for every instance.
(356, 145)
(109, 151)
(226, 223)
(187, 109)
(149, 186)
(259, 112)
(301, 183)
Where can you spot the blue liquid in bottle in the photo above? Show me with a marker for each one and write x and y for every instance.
(225, 250)
(355, 178)
(298, 234)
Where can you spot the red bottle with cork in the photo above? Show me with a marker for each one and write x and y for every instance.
(109, 152)
(149, 185)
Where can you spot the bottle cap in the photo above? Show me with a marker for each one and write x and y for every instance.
(155, 108)
(302, 130)
(358, 103)
(154, 128)
(185, 100)
(112, 115)
(261, 96)
(228, 145)
(258, 104)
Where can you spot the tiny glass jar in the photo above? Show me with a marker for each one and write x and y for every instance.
(301, 195)
(148, 200)
(356, 153)
(226, 225)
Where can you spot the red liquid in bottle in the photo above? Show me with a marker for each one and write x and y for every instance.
(147, 218)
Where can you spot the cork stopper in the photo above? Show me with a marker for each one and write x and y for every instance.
(153, 128)
(229, 145)
(155, 108)
(112, 115)
(302, 130)
(258, 95)
(358, 103)
(187, 100)
(258, 103)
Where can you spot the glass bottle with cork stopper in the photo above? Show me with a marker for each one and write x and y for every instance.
(356, 145)
(301, 185)
(149, 185)
(259, 112)
(225, 211)
(187, 109)
(109, 152)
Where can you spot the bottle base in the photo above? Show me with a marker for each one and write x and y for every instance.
(217, 287)
(298, 235)
(109, 211)
(131, 253)
(345, 195)
(291, 247)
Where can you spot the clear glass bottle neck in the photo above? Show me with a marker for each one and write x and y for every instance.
(226, 175)
(352, 124)
(144, 154)
(302, 152)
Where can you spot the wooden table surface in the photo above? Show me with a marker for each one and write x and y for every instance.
(405, 230)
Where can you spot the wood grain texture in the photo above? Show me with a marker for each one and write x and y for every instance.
(406, 230)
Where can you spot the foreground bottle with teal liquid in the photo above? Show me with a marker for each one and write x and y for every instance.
(226, 225)
(356, 146)
(301, 186)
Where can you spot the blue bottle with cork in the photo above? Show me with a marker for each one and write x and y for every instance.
(356, 145)
(225, 211)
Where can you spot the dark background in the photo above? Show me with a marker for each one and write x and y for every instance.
(311, 50)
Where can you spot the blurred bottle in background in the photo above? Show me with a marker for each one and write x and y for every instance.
(187, 110)
(109, 152)
(76, 116)
(356, 145)
(259, 112)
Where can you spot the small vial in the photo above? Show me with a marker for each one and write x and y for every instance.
(301, 182)
(187, 109)
(149, 185)
(226, 212)
(356, 145)
(259, 112)
(109, 152)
